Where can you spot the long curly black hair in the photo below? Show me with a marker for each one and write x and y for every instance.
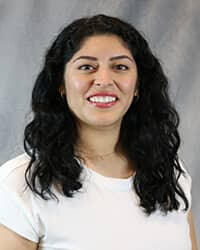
(149, 130)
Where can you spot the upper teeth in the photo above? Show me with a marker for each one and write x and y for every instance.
(102, 99)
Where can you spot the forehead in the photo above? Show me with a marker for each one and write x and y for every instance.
(101, 42)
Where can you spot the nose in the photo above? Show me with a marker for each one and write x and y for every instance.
(103, 76)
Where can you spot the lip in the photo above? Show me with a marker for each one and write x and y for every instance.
(103, 94)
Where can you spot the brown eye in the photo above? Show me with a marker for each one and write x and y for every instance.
(86, 67)
(121, 67)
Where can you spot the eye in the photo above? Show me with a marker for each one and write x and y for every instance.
(86, 67)
(121, 67)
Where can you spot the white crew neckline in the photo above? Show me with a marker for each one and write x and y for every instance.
(111, 183)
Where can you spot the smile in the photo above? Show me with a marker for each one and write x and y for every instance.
(103, 104)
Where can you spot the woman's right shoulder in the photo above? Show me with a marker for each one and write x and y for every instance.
(17, 207)
(12, 172)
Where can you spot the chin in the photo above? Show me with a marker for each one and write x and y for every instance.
(104, 123)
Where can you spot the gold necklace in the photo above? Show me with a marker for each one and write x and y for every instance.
(90, 155)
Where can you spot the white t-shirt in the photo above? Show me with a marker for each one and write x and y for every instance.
(104, 216)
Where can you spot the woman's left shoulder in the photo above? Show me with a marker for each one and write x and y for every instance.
(185, 178)
(185, 181)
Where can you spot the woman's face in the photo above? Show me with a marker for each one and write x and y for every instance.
(105, 60)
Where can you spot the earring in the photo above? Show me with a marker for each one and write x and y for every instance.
(62, 94)
(136, 96)
(61, 91)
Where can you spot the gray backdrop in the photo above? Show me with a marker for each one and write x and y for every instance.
(171, 26)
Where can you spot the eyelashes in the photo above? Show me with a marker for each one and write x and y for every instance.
(88, 67)
(122, 67)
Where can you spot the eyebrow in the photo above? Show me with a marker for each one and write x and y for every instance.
(111, 59)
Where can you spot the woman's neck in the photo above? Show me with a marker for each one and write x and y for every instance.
(101, 152)
(98, 141)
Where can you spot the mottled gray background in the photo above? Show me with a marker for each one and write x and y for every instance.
(171, 26)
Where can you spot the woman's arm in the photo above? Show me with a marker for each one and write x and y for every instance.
(9, 240)
(192, 231)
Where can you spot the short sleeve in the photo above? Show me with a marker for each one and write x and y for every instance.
(185, 180)
(18, 209)
(15, 215)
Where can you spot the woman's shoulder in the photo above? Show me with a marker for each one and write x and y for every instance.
(17, 207)
(185, 181)
(12, 172)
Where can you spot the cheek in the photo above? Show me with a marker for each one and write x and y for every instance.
(128, 86)
(129, 82)
(76, 85)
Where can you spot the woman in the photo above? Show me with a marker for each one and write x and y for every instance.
(101, 165)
